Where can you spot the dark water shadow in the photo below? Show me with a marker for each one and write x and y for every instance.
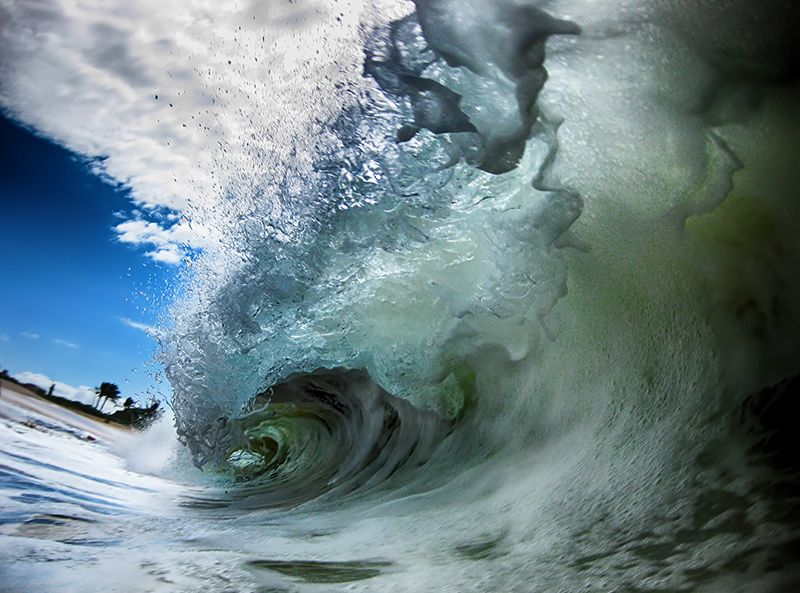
(324, 572)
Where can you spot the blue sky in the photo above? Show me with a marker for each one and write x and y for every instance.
(74, 299)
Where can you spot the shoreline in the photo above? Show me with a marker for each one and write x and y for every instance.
(18, 396)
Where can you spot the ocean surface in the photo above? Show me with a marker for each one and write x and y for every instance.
(492, 296)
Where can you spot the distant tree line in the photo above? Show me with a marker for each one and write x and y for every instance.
(129, 415)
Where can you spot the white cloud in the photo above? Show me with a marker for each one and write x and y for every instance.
(30, 335)
(135, 324)
(168, 242)
(81, 394)
(64, 343)
(167, 255)
(171, 97)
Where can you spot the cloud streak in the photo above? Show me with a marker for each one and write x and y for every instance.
(65, 343)
(148, 329)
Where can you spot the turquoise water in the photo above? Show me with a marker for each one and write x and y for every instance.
(507, 304)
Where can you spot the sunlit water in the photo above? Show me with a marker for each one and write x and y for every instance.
(470, 318)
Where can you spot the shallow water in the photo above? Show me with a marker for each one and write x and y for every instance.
(489, 301)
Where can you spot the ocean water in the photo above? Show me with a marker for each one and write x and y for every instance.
(494, 296)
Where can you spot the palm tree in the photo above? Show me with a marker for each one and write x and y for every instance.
(105, 392)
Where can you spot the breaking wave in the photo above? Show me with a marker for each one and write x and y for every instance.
(497, 296)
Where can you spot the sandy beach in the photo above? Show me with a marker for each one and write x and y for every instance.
(12, 394)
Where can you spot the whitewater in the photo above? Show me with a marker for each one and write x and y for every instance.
(478, 295)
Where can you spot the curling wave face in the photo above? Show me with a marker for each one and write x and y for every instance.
(440, 218)
(413, 242)
(329, 432)
(421, 239)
